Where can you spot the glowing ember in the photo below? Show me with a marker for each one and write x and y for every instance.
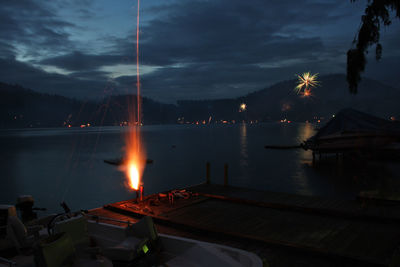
(306, 80)
(307, 93)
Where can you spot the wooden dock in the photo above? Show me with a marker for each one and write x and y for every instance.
(319, 232)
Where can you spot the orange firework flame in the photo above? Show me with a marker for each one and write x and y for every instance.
(135, 154)
(135, 157)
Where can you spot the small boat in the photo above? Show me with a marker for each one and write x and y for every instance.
(78, 239)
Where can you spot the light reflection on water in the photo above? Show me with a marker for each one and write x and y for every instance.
(243, 146)
(244, 157)
(67, 164)
(304, 161)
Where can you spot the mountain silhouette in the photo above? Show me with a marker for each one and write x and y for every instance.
(21, 107)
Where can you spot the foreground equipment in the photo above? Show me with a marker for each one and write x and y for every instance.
(79, 239)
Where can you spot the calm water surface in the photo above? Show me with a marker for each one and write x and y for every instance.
(57, 165)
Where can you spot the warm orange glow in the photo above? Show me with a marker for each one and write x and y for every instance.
(243, 107)
(133, 174)
(307, 93)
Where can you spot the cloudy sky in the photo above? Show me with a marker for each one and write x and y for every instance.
(189, 49)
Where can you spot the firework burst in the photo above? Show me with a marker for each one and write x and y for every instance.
(306, 81)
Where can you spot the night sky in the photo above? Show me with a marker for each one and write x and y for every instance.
(188, 49)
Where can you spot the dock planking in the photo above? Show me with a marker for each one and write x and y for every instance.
(363, 209)
(344, 230)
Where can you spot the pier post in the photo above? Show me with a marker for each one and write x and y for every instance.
(226, 174)
(141, 193)
(208, 178)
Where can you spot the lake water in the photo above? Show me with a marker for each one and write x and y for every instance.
(57, 165)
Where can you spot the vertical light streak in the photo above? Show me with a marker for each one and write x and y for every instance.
(137, 65)
(135, 152)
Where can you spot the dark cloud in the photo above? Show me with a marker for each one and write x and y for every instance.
(77, 61)
(83, 9)
(33, 27)
(15, 72)
(233, 31)
(6, 50)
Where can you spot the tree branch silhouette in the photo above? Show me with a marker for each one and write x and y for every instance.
(376, 13)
